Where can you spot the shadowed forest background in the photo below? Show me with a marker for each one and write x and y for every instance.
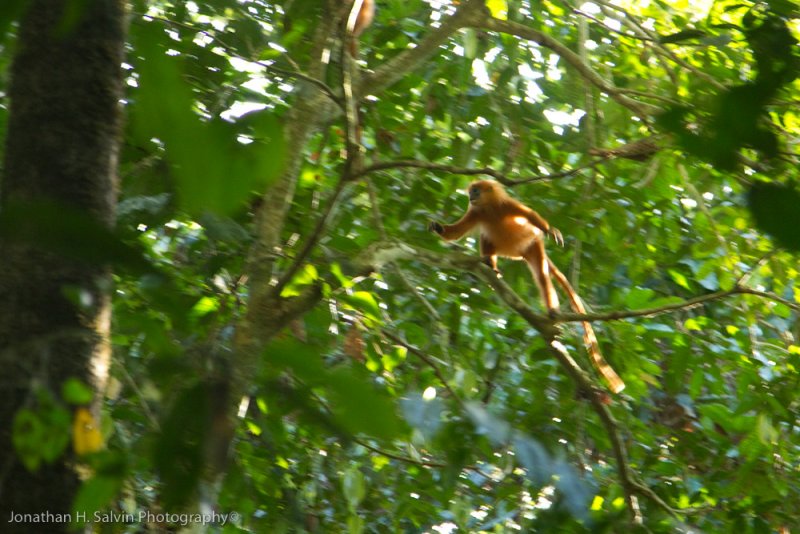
(219, 293)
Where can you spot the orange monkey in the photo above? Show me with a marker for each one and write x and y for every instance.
(510, 229)
(362, 22)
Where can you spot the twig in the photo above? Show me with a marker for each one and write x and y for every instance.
(742, 281)
(392, 456)
(312, 240)
(425, 358)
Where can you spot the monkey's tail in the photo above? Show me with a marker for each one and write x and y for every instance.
(615, 383)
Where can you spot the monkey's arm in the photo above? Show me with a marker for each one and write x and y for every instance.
(542, 224)
(456, 230)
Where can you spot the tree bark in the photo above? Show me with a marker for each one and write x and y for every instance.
(61, 148)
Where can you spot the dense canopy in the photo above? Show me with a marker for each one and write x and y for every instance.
(291, 343)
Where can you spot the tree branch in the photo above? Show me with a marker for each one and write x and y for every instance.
(466, 171)
(468, 13)
(686, 304)
(425, 358)
(640, 109)
(382, 253)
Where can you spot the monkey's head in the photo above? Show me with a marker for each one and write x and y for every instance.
(485, 192)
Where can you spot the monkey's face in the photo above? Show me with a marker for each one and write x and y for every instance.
(482, 192)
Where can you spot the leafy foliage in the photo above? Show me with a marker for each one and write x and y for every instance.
(412, 399)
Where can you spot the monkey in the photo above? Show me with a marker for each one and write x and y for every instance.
(363, 20)
(511, 229)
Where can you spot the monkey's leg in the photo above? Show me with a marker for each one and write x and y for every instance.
(540, 265)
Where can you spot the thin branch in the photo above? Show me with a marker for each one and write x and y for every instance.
(485, 171)
(660, 48)
(305, 77)
(313, 239)
(269, 66)
(742, 281)
(404, 459)
(392, 71)
(605, 26)
(686, 304)
(645, 94)
(425, 358)
(640, 109)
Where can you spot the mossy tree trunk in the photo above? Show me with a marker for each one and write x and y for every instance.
(61, 149)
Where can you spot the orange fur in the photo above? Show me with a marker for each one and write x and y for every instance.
(510, 229)
(364, 19)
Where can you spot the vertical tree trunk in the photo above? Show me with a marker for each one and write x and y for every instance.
(61, 147)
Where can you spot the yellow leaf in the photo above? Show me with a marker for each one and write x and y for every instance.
(498, 9)
(86, 437)
(692, 325)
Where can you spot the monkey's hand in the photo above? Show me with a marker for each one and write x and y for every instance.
(434, 226)
(556, 235)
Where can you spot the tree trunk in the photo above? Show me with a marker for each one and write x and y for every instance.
(61, 148)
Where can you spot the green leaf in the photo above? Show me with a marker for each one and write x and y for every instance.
(27, 431)
(359, 407)
(423, 414)
(470, 43)
(73, 391)
(365, 302)
(679, 278)
(356, 404)
(95, 495)
(354, 487)
(70, 232)
(638, 297)
(178, 454)
(305, 277)
(214, 170)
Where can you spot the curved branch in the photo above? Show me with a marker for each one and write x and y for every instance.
(641, 109)
(467, 14)
(652, 36)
